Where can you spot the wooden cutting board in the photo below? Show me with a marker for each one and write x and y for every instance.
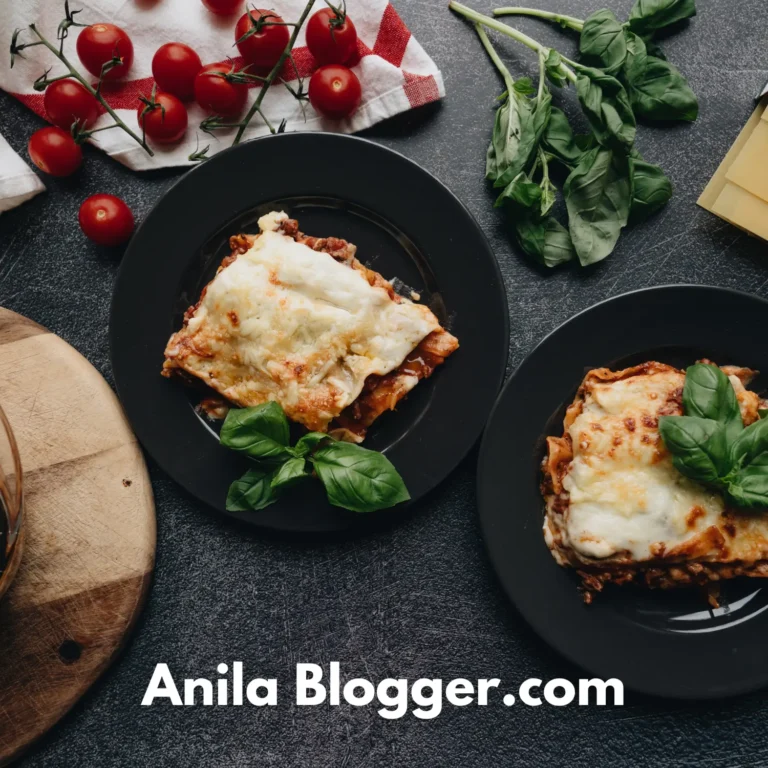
(90, 532)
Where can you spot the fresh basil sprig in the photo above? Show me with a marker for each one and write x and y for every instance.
(710, 443)
(622, 76)
(355, 478)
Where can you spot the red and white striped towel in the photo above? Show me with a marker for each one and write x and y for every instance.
(395, 72)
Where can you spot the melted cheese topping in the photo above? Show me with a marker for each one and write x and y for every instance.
(286, 323)
(625, 494)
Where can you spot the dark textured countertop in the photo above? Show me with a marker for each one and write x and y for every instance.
(420, 600)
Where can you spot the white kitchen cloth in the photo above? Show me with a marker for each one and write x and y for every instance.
(395, 72)
(18, 182)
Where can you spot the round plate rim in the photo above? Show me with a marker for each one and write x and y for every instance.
(376, 147)
(563, 648)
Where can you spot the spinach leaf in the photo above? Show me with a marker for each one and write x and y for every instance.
(651, 189)
(260, 432)
(290, 473)
(649, 15)
(698, 446)
(545, 240)
(661, 92)
(512, 139)
(521, 191)
(251, 492)
(607, 107)
(559, 140)
(750, 443)
(598, 193)
(749, 484)
(309, 442)
(602, 43)
(553, 69)
(709, 394)
(358, 479)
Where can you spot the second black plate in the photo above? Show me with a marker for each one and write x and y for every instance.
(660, 642)
(405, 223)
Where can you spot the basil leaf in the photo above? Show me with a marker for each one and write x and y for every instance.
(650, 15)
(709, 394)
(750, 443)
(637, 58)
(661, 92)
(548, 195)
(512, 140)
(547, 241)
(559, 140)
(698, 447)
(524, 86)
(606, 105)
(762, 413)
(553, 69)
(651, 189)
(260, 432)
(598, 193)
(309, 442)
(358, 479)
(253, 491)
(602, 42)
(290, 473)
(522, 191)
(542, 114)
(653, 48)
(749, 486)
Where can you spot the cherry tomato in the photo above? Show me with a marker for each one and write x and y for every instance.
(217, 94)
(174, 67)
(106, 219)
(334, 91)
(97, 44)
(331, 37)
(223, 7)
(262, 48)
(166, 121)
(53, 150)
(67, 101)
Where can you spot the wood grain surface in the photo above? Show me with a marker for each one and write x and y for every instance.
(89, 531)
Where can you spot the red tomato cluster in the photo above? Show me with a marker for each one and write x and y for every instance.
(106, 51)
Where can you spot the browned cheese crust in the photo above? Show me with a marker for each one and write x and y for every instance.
(737, 545)
(380, 393)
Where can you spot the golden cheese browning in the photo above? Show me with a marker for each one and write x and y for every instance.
(617, 509)
(299, 320)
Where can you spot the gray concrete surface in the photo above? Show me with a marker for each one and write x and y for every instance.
(420, 600)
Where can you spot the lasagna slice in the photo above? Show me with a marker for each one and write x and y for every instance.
(300, 321)
(618, 511)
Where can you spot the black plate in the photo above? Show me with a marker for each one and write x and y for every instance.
(659, 642)
(405, 224)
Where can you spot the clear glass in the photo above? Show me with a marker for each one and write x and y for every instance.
(11, 505)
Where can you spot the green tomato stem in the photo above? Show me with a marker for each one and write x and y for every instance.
(65, 61)
(571, 22)
(505, 29)
(505, 73)
(272, 76)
